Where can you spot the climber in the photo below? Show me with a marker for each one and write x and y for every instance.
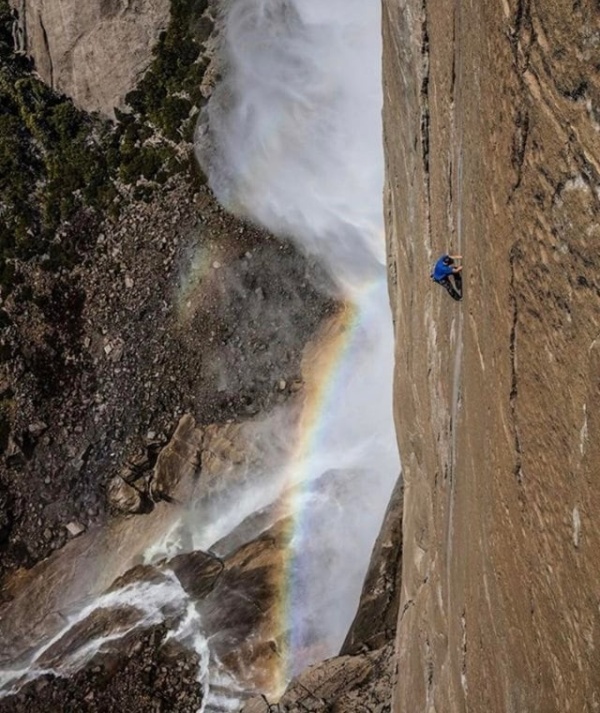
(444, 270)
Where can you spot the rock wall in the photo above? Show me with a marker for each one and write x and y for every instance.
(94, 52)
(493, 151)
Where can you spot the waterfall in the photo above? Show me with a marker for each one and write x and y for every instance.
(292, 141)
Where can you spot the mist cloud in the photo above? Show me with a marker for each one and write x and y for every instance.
(294, 127)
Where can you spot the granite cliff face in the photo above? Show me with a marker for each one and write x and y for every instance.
(95, 52)
(493, 151)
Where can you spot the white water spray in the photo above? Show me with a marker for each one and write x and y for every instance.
(295, 127)
(293, 142)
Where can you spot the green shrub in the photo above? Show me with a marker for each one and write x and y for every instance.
(56, 160)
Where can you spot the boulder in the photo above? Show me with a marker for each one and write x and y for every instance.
(198, 572)
(13, 453)
(125, 497)
(75, 528)
(37, 429)
(178, 461)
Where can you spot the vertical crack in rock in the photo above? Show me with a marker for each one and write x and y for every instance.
(454, 51)
(424, 95)
(430, 669)
(450, 169)
(410, 603)
(522, 38)
(519, 146)
(48, 53)
(522, 35)
(518, 469)
(463, 671)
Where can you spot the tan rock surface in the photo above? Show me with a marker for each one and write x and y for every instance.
(178, 462)
(95, 52)
(344, 684)
(493, 151)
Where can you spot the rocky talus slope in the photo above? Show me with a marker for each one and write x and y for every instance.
(170, 311)
(118, 322)
(149, 674)
(493, 151)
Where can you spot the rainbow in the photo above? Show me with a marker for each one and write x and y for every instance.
(188, 295)
(325, 371)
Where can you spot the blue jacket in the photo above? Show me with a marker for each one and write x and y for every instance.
(440, 271)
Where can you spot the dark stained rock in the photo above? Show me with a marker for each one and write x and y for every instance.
(249, 586)
(198, 572)
(240, 615)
